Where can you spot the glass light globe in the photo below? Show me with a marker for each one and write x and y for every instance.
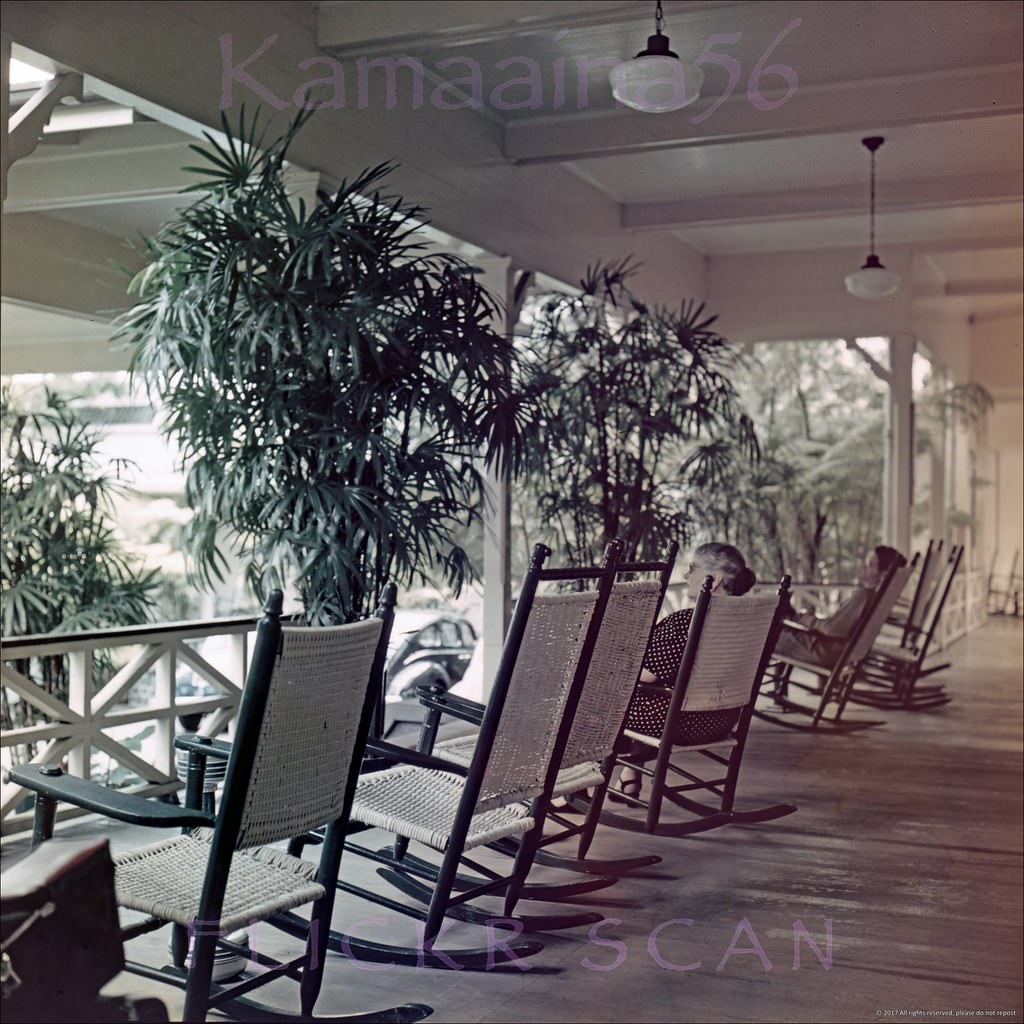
(873, 281)
(656, 83)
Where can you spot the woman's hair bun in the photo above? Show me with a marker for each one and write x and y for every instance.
(744, 580)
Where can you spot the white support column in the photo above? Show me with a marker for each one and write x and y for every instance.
(80, 701)
(899, 468)
(500, 276)
(939, 503)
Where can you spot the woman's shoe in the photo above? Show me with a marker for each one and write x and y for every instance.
(629, 787)
(564, 805)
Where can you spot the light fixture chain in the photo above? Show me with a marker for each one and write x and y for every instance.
(871, 244)
(659, 18)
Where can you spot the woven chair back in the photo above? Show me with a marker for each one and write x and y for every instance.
(523, 745)
(927, 586)
(941, 590)
(729, 650)
(614, 668)
(883, 607)
(309, 730)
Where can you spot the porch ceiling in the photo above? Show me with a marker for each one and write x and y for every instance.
(555, 178)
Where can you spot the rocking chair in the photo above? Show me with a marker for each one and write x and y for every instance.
(888, 675)
(727, 648)
(588, 758)
(834, 683)
(453, 808)
(301, 728)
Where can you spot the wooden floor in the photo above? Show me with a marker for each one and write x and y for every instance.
(906, 849)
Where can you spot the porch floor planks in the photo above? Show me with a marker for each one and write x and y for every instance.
(907, 839)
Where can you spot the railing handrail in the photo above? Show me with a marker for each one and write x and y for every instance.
(37, 644)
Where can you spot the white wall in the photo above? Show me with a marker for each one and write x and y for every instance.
(1005, 442)
(997, 355)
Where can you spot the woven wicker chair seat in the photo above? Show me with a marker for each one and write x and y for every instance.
(420, 803)
(165, 880)
(578, 776)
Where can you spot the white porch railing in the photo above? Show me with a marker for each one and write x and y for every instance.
(966, 607)
(72, 732)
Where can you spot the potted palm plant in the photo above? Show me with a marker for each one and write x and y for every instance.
(638, 411)
(331, 383)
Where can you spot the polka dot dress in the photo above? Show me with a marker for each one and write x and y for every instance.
(649, 705)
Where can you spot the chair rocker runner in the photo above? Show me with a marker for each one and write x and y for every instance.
(454, 808)
(889, 674)
(726, 651)
(588, 759)
(834, 683)
(301, 728)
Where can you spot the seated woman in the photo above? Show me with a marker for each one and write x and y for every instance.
(820, 641)
(649, 706)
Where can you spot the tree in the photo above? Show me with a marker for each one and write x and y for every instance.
(813, 504)
(637, 409)
(62, 568)
(330, 383)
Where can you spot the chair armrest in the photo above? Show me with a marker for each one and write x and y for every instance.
(404, 755)
(50, 781)
(449, 704)
(814, 634)
(220, 749)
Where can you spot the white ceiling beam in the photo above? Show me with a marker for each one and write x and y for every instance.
(1005, 243)
(829, 109)
(100, 177)
(926, 194)
(986, 316)
(972, 289)
(354, 26)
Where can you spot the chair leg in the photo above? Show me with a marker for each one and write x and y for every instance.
(316, 952)
(200, 975)
(44, 816)
(658, 778)
(179, 945)
(524, 858)
(440, 897)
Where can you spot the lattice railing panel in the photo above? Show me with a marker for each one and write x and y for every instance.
(72, 732)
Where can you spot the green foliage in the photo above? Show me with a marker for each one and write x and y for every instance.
(812, 505)
(330, 383)
(62, 568)
(638, 410)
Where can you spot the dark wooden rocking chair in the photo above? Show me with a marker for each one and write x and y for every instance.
(833, 684)
(589, 755)
(454, 809)
(727, 649)
(888, 676)
(907, 616)
(301, 729)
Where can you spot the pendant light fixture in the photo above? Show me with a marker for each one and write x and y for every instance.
(872, 281)
(656, 80)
